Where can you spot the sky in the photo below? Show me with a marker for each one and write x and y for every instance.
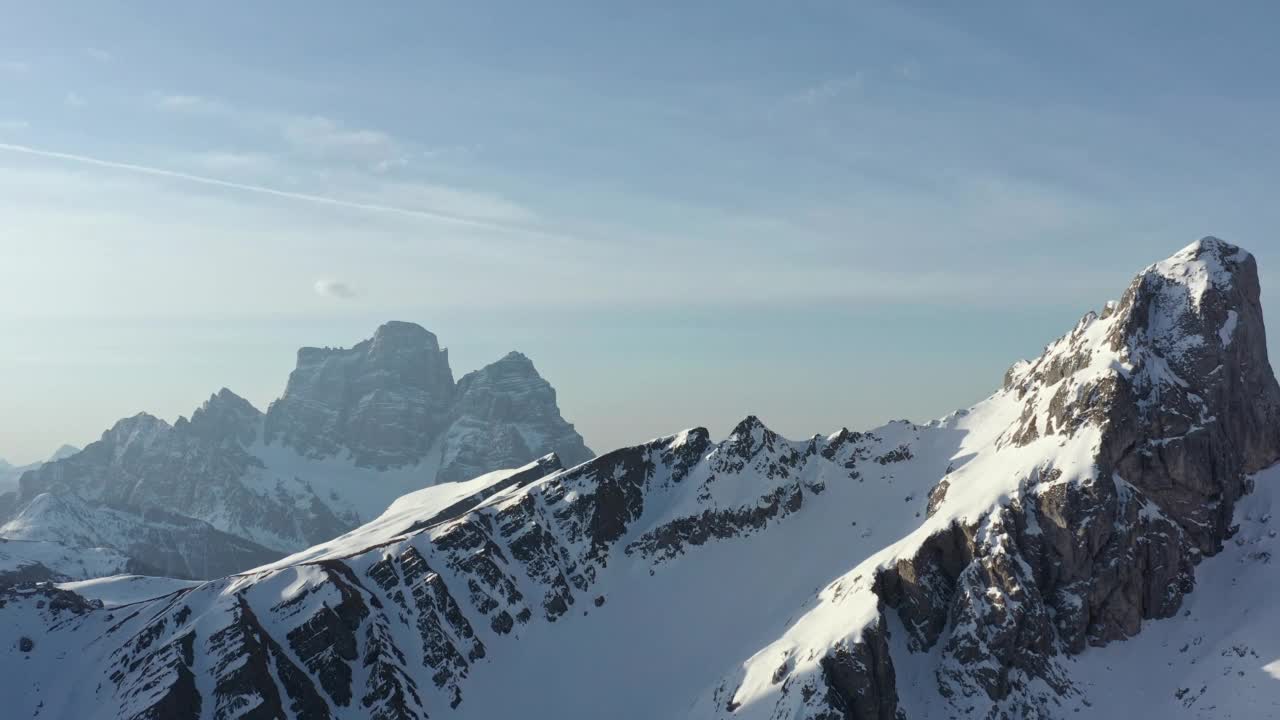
(824, 213)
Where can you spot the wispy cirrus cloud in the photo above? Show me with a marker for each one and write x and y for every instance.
(318, 159)
(451, 206)
(99, 54)
(74, 99)
(310, 135)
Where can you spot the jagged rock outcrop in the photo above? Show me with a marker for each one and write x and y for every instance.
(1135, 437)
(355, 429)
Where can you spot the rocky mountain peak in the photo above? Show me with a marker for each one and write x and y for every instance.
(142, 428)
(1180, 321)
(388, 401)
(398, 336)
(1205, 265)
(749, 436)
(63, 451)
(749, 425)
(384, 401)
(501, 412)
(224, 416)
(1170, 302)
(514, 367)
(1132, 440)
(516, 357)
(226, 398)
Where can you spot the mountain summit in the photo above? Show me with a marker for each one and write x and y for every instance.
(1126, 446)
(983, 565)
(384, 401)
(355, 429)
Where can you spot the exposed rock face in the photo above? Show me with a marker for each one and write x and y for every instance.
(145, 483)
(503, 415)
(860, 679)
(355, 429)
(1150, 416)
(384, 401)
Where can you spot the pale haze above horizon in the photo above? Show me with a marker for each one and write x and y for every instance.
(825, 214)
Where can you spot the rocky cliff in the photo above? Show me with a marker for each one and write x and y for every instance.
(384, 401)
(503, 414)
(1135, 436)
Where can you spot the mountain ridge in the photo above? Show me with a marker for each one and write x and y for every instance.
(979, 565)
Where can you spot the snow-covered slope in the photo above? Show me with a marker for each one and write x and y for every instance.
(23, 561)
(356, 429)
(1014, 559)
(117, 590)
(155, 542)
(425, 606)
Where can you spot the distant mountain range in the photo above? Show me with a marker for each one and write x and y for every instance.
(233, 487)
(9, 473)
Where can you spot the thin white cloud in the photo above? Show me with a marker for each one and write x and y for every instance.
(391, 163)
(312, 136)
(15, 67)
(187, 103)
(445, 217)
(324, 137)
(99, 54)
(14, 125)
(317, 132)
(231, 161)
(467, 203)
(334, 289)
(74, 99)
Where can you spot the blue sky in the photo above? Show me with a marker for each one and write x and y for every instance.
(825, 213)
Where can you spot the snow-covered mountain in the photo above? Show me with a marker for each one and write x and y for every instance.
(1092, 540)
(10, 473)
(151, 541)
(232, 487)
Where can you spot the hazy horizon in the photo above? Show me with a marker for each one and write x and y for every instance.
(826, 215)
